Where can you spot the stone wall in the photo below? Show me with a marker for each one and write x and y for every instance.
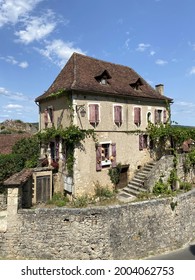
(3, 201)
(130, 231)
(163, 169)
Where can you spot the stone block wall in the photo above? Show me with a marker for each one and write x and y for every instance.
(3, 201)
(130, 231)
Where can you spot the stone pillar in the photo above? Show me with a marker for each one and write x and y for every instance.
(12, 201)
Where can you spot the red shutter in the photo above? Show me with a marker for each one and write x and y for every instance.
(141, 142)
(118, 115)
(137, 116)
(114, 154)
(98, 157)
(164, 116)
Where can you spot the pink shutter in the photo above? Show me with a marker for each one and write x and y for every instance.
(137, 116)
(46, 117)
(164, 116)
(98, 157)
(93, 113)
(141, 142)
(97, 117)
(156, 116)
(114, 154)
(118, 114)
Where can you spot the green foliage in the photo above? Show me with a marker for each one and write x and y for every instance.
(103, 192)
(28, 149)
(114, 174)
(160, 188)
(10, 164)
(173, 205)
(176, 135)
(59, 200)
(71, 137)
(81, 201)
(185, 186)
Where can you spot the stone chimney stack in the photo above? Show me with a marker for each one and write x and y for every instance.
(160, 89)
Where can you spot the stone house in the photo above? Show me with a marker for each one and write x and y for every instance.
(113, 100)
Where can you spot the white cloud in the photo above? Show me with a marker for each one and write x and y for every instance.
(127, 43)
(12, 10)
(4, 91)
(192, 71)
(13, 106)
(142, 47)
(59, 51)
(161, 62)
(152, 53)
(37, 28)
(13, 61)
(23, 64)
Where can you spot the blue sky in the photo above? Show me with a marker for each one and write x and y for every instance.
(154, 37)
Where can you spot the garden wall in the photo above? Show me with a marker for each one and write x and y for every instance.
(130, 231)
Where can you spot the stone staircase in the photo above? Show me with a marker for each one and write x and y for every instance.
(136, 185)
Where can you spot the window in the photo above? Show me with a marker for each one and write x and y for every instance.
(143, 141)
(48, 116)
(164, 116)
(118, 115)
(137, 116)
(94, 114)
(149, 117)
(105, 155)
(103, 78)
(158, 116)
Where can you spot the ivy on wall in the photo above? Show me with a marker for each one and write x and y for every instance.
(71, 138)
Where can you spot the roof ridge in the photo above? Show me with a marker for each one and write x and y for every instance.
(74, 69)
(101, 60)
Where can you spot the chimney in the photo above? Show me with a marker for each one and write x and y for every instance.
(160, 89)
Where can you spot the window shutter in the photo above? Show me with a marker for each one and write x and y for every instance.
(141, 142)
(98, 157)
(137, 116)
(118, 114)
(96, 113)
(114, 154)
(156, 116)
(46, 117)
(50, 112)
(93, 113)
(164, 116)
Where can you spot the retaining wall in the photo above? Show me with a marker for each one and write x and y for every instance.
(131, 231)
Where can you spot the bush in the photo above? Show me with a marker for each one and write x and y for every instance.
(160, 188)
(185, 186)
(58, 199)
(103, 192)
(10, 164)
(28, 149)
(81, 201)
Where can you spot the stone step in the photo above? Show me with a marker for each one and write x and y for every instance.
(135, 183)
(132, 189)
(125, 197)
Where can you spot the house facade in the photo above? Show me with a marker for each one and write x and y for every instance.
(113, 100)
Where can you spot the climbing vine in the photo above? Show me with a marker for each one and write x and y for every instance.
(71, 138)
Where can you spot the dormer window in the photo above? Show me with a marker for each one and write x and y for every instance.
(103, 81)
(137, 84)
(103, 78)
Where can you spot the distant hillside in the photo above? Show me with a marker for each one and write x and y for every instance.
(17, 126)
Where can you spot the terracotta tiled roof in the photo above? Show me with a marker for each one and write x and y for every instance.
(80, 74)
(18, 179)
(8, 140)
